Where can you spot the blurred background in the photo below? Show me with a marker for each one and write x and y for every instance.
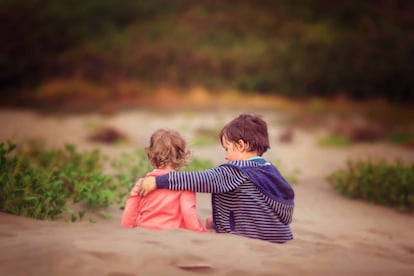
(333, 79)
(90, 52)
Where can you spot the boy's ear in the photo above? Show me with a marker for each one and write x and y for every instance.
(242, 145)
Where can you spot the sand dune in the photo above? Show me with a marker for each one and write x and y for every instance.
(333, 235)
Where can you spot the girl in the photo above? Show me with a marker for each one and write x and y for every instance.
(163, 209)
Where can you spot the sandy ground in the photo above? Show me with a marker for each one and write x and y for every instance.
(333, 235)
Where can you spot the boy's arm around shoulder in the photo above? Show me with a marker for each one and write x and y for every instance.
(221, 179)
(146, 185)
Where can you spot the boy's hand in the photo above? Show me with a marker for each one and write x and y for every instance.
(134, 191)
(147, 185)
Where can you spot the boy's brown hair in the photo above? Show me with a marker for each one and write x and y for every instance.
(249, 128)
(167, 148)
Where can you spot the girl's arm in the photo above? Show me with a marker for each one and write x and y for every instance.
(131, 210)
(130, 214)
(189, 212)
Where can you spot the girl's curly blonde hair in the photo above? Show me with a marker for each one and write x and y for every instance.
(167, 148)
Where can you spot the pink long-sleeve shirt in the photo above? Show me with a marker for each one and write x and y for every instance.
(162, 209)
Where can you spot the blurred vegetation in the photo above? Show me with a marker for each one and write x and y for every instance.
(291, 176)
(334, 140)
(377, 181)
(45, 184)
(205, 136)
(299, 48)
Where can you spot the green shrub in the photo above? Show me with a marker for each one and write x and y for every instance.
(42, 184)
(390, 184)
(39, 183)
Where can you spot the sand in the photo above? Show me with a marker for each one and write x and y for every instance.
(333, 235)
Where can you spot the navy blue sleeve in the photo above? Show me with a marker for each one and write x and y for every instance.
(162, 181)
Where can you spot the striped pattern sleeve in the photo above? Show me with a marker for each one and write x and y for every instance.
(218, 180)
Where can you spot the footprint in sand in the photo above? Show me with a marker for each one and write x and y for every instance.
(191, 262)
(409, 249)
(121, 274)
(7, 235)
(157, 243)
(105, 255)
(198, 241)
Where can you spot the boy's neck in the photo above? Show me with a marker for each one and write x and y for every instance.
(249, 155)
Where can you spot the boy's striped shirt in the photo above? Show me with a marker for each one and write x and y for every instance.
(248, 198)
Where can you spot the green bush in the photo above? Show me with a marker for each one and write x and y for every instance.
(379, 182)
(43, 184)
(39, 183)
